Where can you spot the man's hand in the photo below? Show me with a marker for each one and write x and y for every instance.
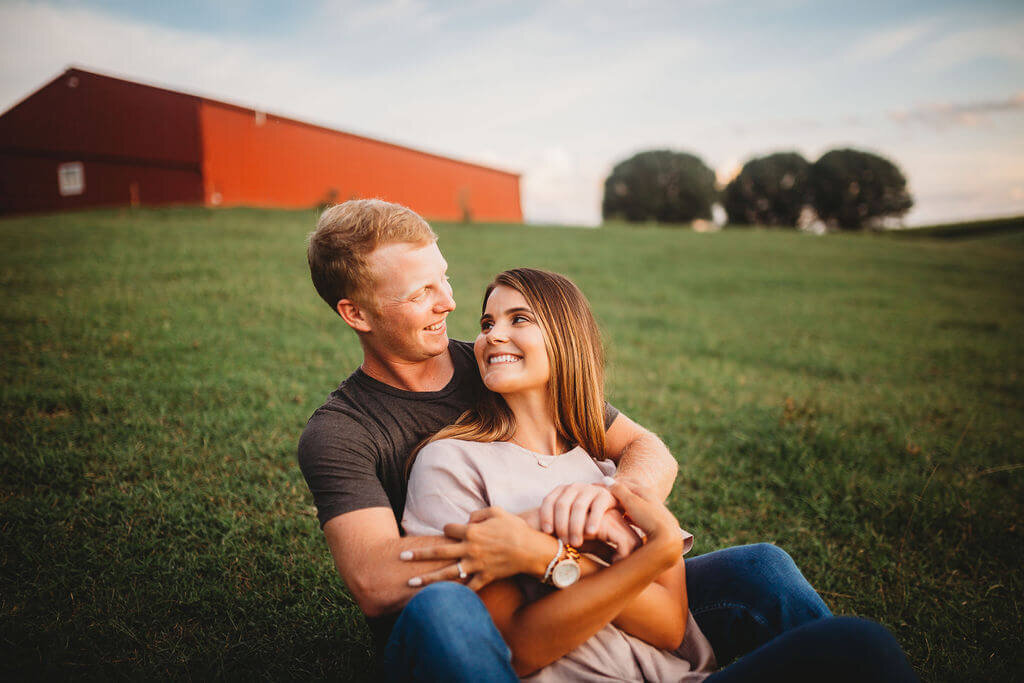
(494, 544)
(574, 512)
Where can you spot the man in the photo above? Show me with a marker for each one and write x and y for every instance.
(377, 265)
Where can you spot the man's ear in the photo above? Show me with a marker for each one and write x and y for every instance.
(353, 314)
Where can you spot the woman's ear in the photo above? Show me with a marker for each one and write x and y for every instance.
(353, 314)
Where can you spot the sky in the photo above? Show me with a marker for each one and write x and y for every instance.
(561, 91)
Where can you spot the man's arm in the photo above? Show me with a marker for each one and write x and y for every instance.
(365, 545)
(367, 550)
(641, 457)
(574, 512)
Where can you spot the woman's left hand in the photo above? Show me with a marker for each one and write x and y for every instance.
(495, 544)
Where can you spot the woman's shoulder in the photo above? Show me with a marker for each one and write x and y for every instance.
(457, 446)
(451, 453)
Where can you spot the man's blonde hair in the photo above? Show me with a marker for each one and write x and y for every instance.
(344, 237)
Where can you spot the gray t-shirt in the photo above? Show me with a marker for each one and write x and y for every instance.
(354, 448)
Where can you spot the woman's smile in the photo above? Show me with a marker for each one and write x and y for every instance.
(503, 358)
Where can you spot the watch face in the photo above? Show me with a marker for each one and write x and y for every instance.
(565, 573)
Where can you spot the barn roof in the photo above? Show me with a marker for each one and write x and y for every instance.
(79, 71)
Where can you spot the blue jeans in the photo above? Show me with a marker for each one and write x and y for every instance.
(748, 600)
(446, 634)
(836, 649)
(744, 596)
(752, 602)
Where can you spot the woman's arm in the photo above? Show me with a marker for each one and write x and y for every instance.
(658, 614)
(540, 632)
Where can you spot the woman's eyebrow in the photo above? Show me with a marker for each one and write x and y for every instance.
(510, 311)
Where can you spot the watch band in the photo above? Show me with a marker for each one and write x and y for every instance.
(572, 552)
(553, 562)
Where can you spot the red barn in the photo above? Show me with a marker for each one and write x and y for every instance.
(85, 140)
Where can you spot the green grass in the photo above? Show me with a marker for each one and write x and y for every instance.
(969, 230)
(858, 401)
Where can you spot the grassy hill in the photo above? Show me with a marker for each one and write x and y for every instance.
(858, 401)
(967, 230)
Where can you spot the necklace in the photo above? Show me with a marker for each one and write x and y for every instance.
(541, 462)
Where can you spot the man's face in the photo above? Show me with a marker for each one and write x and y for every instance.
(411, 297)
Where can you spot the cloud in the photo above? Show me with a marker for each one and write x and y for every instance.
(37, 41)
(1000, 41)
(881, 45)
(943, 114)
(561, 187)
(354, 16)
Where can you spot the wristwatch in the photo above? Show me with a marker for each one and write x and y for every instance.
(564, 568)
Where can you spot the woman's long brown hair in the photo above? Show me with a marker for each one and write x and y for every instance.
(576, 359)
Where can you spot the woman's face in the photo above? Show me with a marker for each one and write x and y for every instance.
(510, 350)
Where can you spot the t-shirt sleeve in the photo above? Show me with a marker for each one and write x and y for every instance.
(338, 458)
(444, 488)
(610, 413)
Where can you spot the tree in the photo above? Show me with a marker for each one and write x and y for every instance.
(660, 185)
(770, 190)
(854, 189)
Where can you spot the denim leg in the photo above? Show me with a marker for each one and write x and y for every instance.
(744, 596)
(837, 650)
(446, 634)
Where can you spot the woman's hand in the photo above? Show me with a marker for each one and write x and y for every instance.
(643, 509)
(616, 532)
(494, 544)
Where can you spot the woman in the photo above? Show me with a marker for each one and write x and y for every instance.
(539, 352)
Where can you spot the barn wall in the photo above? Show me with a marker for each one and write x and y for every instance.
(270, 161)
(123, 133)
(89, 115)
(29, 184)
(147, 145)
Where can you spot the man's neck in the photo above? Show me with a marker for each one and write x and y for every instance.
(431, 374)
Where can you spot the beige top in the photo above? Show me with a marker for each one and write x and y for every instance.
(452, 478)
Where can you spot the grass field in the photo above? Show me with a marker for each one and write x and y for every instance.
(970, 230)
(858, 401)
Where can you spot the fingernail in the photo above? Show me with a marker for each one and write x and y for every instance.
(405, 555)
(415, 581)
(591, 529)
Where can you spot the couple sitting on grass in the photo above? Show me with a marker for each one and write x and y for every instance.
(496, 519)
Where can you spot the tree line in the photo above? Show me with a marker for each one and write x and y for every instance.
(846, 189)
